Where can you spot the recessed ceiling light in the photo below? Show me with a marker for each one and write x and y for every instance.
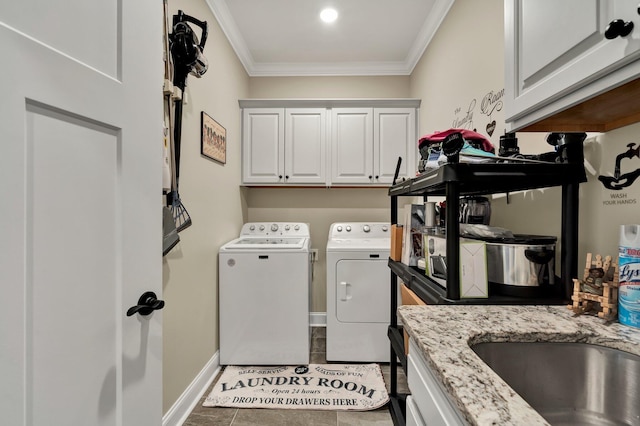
(329, 15)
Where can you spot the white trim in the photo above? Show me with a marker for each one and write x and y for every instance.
(180, 410)
(437, 14)
(292, 69)
(231, 31)
(228, 25)
(318, 319)
(183, 406)
(330, 103)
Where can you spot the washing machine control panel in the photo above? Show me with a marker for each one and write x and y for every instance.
(280, 229)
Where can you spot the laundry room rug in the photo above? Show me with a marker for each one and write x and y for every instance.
(357, 387)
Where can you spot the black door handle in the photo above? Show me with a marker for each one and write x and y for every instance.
(147, 303)
(618, 28)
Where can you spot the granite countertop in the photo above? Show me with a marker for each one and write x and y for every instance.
(444, 335)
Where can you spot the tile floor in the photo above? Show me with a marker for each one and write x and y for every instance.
(219, 416)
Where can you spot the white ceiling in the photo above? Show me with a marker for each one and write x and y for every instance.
(287, 38)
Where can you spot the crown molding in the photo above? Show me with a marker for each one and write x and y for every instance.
(329, 69)
(331, 103)
(230, 29)
(260, 69)
(434, 20)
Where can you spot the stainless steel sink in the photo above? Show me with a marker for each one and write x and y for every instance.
(570, 383)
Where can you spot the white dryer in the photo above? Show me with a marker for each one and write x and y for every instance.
(358, 292)
(265, 280)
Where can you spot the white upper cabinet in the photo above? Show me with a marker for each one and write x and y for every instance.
(366, 144)
(326, 142)
(284, 146)
(394, 136)
(263, 145)
(560, 53)
(352, 145)
(305, 145)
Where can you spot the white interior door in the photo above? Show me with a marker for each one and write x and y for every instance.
(80, 183)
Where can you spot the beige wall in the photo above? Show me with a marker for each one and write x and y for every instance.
(320, 207)
(329, 87)
(465, 62)
(602, 211)
(460, 67)
(210, 191)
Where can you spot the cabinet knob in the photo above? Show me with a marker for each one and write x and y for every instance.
(370, 177)
(377, 177)
(618, 27)
(286, 177)
(279, 176)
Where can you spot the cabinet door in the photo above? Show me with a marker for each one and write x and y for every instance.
(431, 398)
(352, 145)
(556, 47)
(305, 145)
(263, 145)
(394, 136)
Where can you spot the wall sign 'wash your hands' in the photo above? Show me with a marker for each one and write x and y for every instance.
(621, 180)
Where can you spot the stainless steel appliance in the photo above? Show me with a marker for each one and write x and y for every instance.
(475, 210)
(522, 266)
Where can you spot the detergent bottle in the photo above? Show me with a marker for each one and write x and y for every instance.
(629, 276)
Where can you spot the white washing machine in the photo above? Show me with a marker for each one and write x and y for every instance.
(265, 279)
(358, 292)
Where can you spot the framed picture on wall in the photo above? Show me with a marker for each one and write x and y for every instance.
(213, 139)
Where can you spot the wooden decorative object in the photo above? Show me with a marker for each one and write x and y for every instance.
(597, 291)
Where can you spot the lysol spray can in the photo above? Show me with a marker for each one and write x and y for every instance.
(629, 276)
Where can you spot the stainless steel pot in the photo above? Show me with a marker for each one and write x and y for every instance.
(475, 210)
(523, 266)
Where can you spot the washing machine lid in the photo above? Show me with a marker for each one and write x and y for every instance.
(267, 243)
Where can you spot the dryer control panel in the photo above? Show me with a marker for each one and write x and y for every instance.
(359, 230)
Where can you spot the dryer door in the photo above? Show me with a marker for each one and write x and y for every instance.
(362, 290)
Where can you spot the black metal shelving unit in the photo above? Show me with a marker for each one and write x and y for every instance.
(453, 180)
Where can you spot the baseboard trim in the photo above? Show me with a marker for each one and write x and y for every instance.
(183, 406)
(318, 319)
(181, 409)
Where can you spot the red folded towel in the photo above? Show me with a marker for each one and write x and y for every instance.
(475, 139)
